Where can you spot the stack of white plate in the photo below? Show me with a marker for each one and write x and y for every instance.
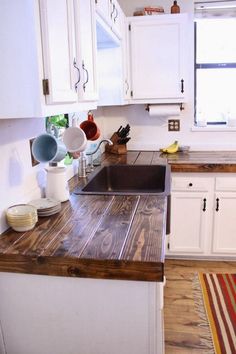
(22, 217)
(46, 206)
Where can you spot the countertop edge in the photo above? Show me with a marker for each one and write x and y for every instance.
(83, 268)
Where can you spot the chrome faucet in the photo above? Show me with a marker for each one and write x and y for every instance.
(82, 161)
(102, 141)
(91, 166)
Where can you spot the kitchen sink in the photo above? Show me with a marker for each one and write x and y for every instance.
(128, 180)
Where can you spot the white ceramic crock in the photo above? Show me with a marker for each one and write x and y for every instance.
(57, 185)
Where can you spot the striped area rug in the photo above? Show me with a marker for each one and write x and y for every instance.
(217, 307)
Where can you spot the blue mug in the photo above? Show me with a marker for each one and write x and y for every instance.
(46, 148)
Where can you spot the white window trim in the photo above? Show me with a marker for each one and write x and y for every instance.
(208, 129)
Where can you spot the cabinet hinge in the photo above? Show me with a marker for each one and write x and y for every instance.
(45, 87)
(129, 27)
(168, 245)
(96, 1)
(131, 93)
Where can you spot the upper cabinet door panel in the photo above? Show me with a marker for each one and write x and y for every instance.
(103, 8)
(157, 57)
(57, 22)
(86, 48)
(116, 18)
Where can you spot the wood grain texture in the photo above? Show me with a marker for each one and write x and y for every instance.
(182, 324)
(144, 158)
(146, 234)
(92, 235)
(108, 237)
(202, 161)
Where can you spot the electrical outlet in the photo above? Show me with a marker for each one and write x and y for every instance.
(173, 125)
(33, 161)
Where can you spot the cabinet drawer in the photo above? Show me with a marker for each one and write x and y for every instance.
(191, 184)
(226, 183)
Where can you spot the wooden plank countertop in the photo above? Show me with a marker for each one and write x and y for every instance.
(105, 237)
(202, 161)
(109, 237)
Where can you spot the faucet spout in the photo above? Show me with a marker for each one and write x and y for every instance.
(102, 141)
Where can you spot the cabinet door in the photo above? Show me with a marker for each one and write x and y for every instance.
(126, 60)
(57, 23)
(85, 29)
(157, 57)
(116, 18)
(224, 228)
(189, 222)
(103, 8)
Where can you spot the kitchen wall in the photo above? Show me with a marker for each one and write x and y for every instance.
(152, 133)
(19, 181)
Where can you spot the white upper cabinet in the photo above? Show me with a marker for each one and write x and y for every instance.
(157, 45)
(45, 45)
(116, 18)
(86, 50)
(126, 62)
(112, 54)
(103, 8)
(111, 13)
(57, 23)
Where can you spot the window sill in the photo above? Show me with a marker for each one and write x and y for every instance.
(213, 129)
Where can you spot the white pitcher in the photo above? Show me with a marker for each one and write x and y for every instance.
(57, 185)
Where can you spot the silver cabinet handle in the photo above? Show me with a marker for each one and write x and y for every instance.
(76, 67)
(116, 15)
(113, 9)
(87, 74)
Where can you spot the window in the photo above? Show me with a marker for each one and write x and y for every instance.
(215, 66)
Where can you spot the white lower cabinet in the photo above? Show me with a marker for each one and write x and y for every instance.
(224, 224)
(60, 315)
(203, 222)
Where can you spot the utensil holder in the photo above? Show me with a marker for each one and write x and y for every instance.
(116, 148)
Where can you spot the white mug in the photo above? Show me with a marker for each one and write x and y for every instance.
(75, 140)
(57, 185)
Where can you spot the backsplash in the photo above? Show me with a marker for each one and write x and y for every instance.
(19, 181)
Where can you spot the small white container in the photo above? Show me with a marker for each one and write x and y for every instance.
(57, 185)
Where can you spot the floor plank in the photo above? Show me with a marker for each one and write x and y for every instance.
(182, 331)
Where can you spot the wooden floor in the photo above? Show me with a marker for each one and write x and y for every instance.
(182, 331)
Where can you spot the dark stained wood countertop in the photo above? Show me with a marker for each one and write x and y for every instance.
(105, 237)
(202, 161)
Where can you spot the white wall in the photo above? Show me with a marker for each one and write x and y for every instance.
(18, 180)
(152, 133)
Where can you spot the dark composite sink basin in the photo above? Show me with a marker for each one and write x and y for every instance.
(128, 179)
